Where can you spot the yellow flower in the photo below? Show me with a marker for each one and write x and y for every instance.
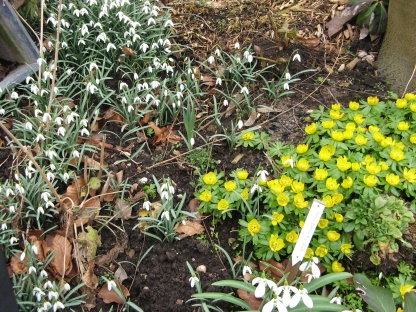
(302, 164)
(392, 179)
(302, 148)
(360, 140)
(301, 224)
(297, 186)
(275, 186)
(361, 129)
(346, 249)
(405, 289)
(210, 178)
(373, 168)
(328, 124)
(370, 180)
(368, 159)
(323, 223)
(348, 134)
(400, 145)
(372, 100)
(337, 198)
(397, 154)
(309, 253)
(354, 105)
(401, 103)
(321, 251)
(374, 129)
(347, 182)
(248, 136)
(413, 138)
(230, 186)
(205, 196)
(277, 218)
(335, 114)
(413, 107)
(222, 205)
(350, 126)
(333, 236)
(285, 180)
(355, 166)
(331, 184)
(337, 267)
(387, 142)
(410, 97)
(324, 155)
(245, 194)
(253, 227)
(299, 201)
(329, 203)
(336, 107)
(409, 175)
(320, 174)
(285, 162)
(339, 217)
(359, 119)
(311, 129)
(292, 237)
(276, 243)
(378, 137)
(337, 135)
(242, 174)
(283, 199)
(343, 164)
(403, 126)
(383, 165)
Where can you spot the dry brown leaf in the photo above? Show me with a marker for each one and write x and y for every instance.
(89, 207)
(110, 114)
(109, 196)
(164, 135)
(309, 42)
(190, 228)
(122, 209)
(277, 269)
(61, 264)
(18, 266)
(251, 300)
(72, 195)
(251, 120)
(193, 205)
(127, 51)
(120, 274)
(89, 278)
(1, 143)
(110, 296)
(209, 81)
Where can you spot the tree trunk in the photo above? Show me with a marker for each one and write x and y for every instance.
(397, 59)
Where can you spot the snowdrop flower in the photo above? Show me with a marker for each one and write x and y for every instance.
(154, 84)
(262, 174)
(287, 76)
(50, 176)
(217, 52)
(53, 295)
(61, 131)
(286, 86)
(58, 305)
(40, 61)
(66, 287)
(218, 81)
(289, 161)
(66, 176)
(35, 249)
(84, 30)
(49, 204)
(32, 269)
(34, 89)
(192, 141)
(168, 23)
(240, 124)
(169, 188)
(29, 79)
(110, 46)
(164, 195)
(58, 120)
(28, 126)
(51, 154)
(151, 21)
(22, 256)
(244, 90)
(64, 45)
(40, 210)
(147, 205)
(165, 215)
(81, 41)
(52, 166)
(75, 154)
(193, 280)
(211, 59)
(85, 132)
(46, 118)
(9, 192)
(296, 57)
(247, 269)
(40, 137)
(261, 286)
(2, 111)
(313, 267)
(274, 303)
(130, 108)
(254, 188)
(237, 46)
(101, 37)
(12, 209)
(302, 293)
(4, 226)
(38, 293)
(14, 95)
(111, 284)
(13, 240)
(19, 188)
(225, 103)
(336, 300)
(154, 46)
(43, 273)
(91, 88)
(287, 289)
(123, 86)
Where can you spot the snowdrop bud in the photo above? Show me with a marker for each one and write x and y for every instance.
(22, 256)
(237, 45)
(147, 205)
(32, 269)
(286, 86)
(219, 81)
(246, 269)
(287, 76)
(225, 103)
(211, 59)
(296, 57)
(111, 284)
(2, 111)
(35, 249)
(14, 95)
(240, 124)
(192, 141)
(217, 52)
(13, 240)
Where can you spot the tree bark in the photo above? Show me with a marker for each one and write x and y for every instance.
(397, 59)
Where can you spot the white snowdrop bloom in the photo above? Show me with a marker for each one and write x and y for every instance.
(296, 57)
(83, 11)
(75, 154)
(98, 25)
(28, 126)
(40, 61)
(14, 95)
(38, 293)
(52, 20)
(240, 124)
(66, 287)
(66, 176)
(40, 137)
(193, 280)
(157, 102)
(218, 81)
(192, 141)
(130, 108)
(61, 131)
(46, 118)
(290, 162)
(146, 9)
(302, 293)
(169, 69)
(52, 166)
(49, 204)
(35, 250)
(247, 269)
(149, 97)
(287, 76)
(151, 21)
(29, 79)
(43, 273)
(47, 285)
(225, 103)
(262, 174)
(336, 300)
(181, 87)
(244, 90)
(166, 42)
(64, 45)
(81, 41)
(123, 86)
(311, 265)
(53, 295)
(135, 76)
(154, 84)
(237, 46)
(154, 46)
(40, 210)
(51, 154)
(254, 188)
(156, 62)
(91, 88)
(58, 305)
(9, 192)
(38, 112)
(103, 12)
(111, 285)
(3, 226)
(84, 30)
(261, 283)
(22, 256)
(136, 37)
(19, 188)
(47, 75)
(178, 103)
(13, 240)
(110, 46)
(144, 47)
(168, 23)
(165, 214)
(211, 59)
(65, 23)
(12, 209)
(85, 132)
(50, 176)
(217, 52)
(2, 111)
(179, 95)
(43, 91)
(286, 86)
(150, 69)
(147, 205)
(101, 37)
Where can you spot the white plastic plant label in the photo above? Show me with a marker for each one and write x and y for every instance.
(308, 229)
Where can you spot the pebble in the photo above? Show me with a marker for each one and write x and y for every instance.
(201, 268)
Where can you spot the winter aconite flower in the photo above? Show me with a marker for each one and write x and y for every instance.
(403, 126)
(405, 289)
(311, 129)
(323, 223)
(346, 249)
(222, 205)
(337, 267)
(283, 199)
(253, 227)
(297, 186)
(302, 164)
(409, 175)
(302, 148)
(337, 135)
(321, 251)
(335, 114)
(292, 237)
(210, 178)
(354, 106)
(372, 100)
(328, 124)
(347, 182)
(245, 194)
(242, 174)
(355, 166)
(373, 168)
(397, 154)
(333, 236)
(343, 164)
(359, 119)
(393, 179)
(320, 174)
(370, 180)
(205, 196)
(331, 184)
(276, 243)
(299, 201)
(230, 186)
(360, 140)
(277, 218)
(401, 103)
(338, 217)
(248, 136)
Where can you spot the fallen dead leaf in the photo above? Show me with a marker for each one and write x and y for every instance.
(61, 264)
(190, 228)
(309, 42)
(164, 135)
(18, 266)
(93, 164)
(110, 296)
(127, 51)
(88, 209)
(122, 209)
(120, 274)
(252, 119)
(89, 278)
(251, 300)
(277, 269)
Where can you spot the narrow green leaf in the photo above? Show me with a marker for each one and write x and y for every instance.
(326, 279)
(235, 284)
(224, 297)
